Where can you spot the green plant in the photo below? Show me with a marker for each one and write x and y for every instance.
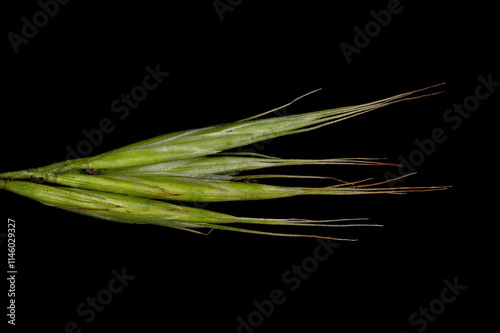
(131, 184)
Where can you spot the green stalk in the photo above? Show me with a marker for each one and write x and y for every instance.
(58, 167)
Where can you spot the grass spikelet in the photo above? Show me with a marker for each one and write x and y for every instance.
(214, 139)
(235, 163)
(210, 189)
(132, 184)
(136, 210)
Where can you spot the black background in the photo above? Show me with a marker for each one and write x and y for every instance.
(260, 56)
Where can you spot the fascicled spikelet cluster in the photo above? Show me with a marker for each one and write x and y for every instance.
(132, 184)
